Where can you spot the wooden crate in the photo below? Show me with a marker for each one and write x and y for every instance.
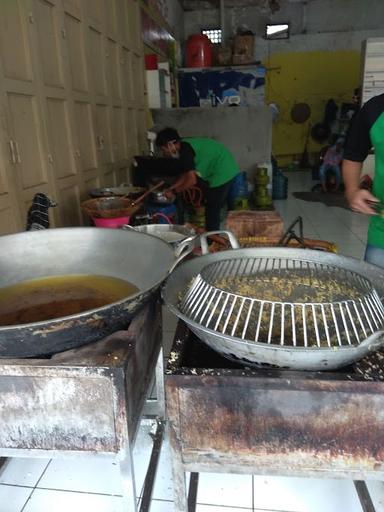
(250, 223)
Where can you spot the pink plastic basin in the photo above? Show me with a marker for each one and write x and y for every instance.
(114, 222)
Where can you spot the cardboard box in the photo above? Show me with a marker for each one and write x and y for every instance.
(242, 59)
(248, 223)
(224, 56)
(243, 45)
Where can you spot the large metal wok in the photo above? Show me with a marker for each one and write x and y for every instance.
(223, 336)
(141, 259)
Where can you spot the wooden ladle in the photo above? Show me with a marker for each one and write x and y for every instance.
(155, 187)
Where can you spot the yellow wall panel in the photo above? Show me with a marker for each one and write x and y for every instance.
(313, 78)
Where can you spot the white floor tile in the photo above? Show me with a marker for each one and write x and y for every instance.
(22, 471)
(305, 495)
(83, 474)
(352, 250)
(12, 498)
(98, 475)
(62, 501)
(162, 506)
(225, 489)
(344, 237)
(331, 228)
(376, 491)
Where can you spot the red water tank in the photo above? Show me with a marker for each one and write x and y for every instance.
(198, 51)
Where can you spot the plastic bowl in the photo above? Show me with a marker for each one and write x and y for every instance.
(114, 222)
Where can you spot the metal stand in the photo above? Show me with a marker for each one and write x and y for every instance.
(152, 467)
(364, 497)
(181, 495)
(97, 393)
(225, 417)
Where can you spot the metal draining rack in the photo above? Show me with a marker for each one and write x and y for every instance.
(284, 302)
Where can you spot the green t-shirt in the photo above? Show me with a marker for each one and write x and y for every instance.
(212, 161)
(367, 130)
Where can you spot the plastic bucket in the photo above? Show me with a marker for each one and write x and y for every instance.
(114, 222)
(165, 213)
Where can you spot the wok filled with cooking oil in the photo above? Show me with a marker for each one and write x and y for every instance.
(63, 288)
(51, 297)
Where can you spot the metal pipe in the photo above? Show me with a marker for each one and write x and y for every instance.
(222, 22)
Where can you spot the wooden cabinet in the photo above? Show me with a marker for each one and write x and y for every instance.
(72, 111)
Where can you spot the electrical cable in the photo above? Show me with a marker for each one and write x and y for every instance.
(165, 217)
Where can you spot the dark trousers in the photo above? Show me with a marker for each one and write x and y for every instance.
(215, 199)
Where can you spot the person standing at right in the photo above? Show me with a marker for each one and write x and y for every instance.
(367, 131)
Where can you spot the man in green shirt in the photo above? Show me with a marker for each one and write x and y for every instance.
(204, 162)
(367, 131)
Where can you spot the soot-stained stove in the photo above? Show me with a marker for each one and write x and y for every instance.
(226, 417)
(88, 401)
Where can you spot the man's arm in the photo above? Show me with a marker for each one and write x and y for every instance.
(187, 180)
(356, 197)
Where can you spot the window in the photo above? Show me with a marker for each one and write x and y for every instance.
(214, 34)
(277, 31)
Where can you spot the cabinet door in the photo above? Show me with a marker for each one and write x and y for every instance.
(96, 58)
(76, 53)
(47, 31)
(25, 127)
(138, 79)
(14, 45)
(110, 19)
(113, 69)
(60, 138)
(10, 219)
(69, 205)
(118, 134)
(95, 12)
(126, 74)
(103, 134)
(85, 148)
(122, 20)
(73, 7)
(131, 130)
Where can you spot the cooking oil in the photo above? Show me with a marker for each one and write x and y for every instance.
(42, 299)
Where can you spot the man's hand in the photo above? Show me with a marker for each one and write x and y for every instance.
(169, 194)
(187, 180)
(357, 200)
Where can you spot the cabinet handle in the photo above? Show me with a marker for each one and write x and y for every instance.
(100, 142)
(12, 149)
(18, 159)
